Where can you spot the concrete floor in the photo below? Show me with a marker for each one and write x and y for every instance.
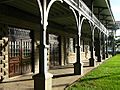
(63, 77)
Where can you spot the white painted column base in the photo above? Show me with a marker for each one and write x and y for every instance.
(92, 62)
(78, 68)
(43, 82)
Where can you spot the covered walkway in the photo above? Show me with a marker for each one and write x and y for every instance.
(37, 35)
(63, 77)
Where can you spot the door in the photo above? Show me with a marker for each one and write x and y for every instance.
(19, 57)
(54, 50)
(14, 58)
(20, 49)
(26, 56)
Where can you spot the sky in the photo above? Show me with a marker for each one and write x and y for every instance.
(115, 6)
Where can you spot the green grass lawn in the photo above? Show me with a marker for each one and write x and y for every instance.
(104, 77)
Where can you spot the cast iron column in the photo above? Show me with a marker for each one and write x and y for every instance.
(78, 67)
(99, 47)
(32, 54)
(92, 60)
(103, 54)
(106, 46)
(113, 46)
(43, 80)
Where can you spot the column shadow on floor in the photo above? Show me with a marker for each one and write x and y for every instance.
(16, 81)
(63, 75)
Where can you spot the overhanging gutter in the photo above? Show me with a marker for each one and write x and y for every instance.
(109, 8)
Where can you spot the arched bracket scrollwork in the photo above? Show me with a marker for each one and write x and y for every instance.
(44, 9)
(76, 15)
(82, 18)
(41, 10)
(49, 6)
(92, 25)
(79, 19)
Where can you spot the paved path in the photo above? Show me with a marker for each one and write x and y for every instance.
(66, 79)
(63, 77)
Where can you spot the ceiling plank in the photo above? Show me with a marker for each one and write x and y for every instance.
(14, 12)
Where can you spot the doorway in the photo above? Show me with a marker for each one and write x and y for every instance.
(54, 50)
(20, 48)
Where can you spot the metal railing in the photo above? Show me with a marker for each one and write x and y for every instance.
(88, 13)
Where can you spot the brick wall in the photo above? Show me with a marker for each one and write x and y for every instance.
(4, 65)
